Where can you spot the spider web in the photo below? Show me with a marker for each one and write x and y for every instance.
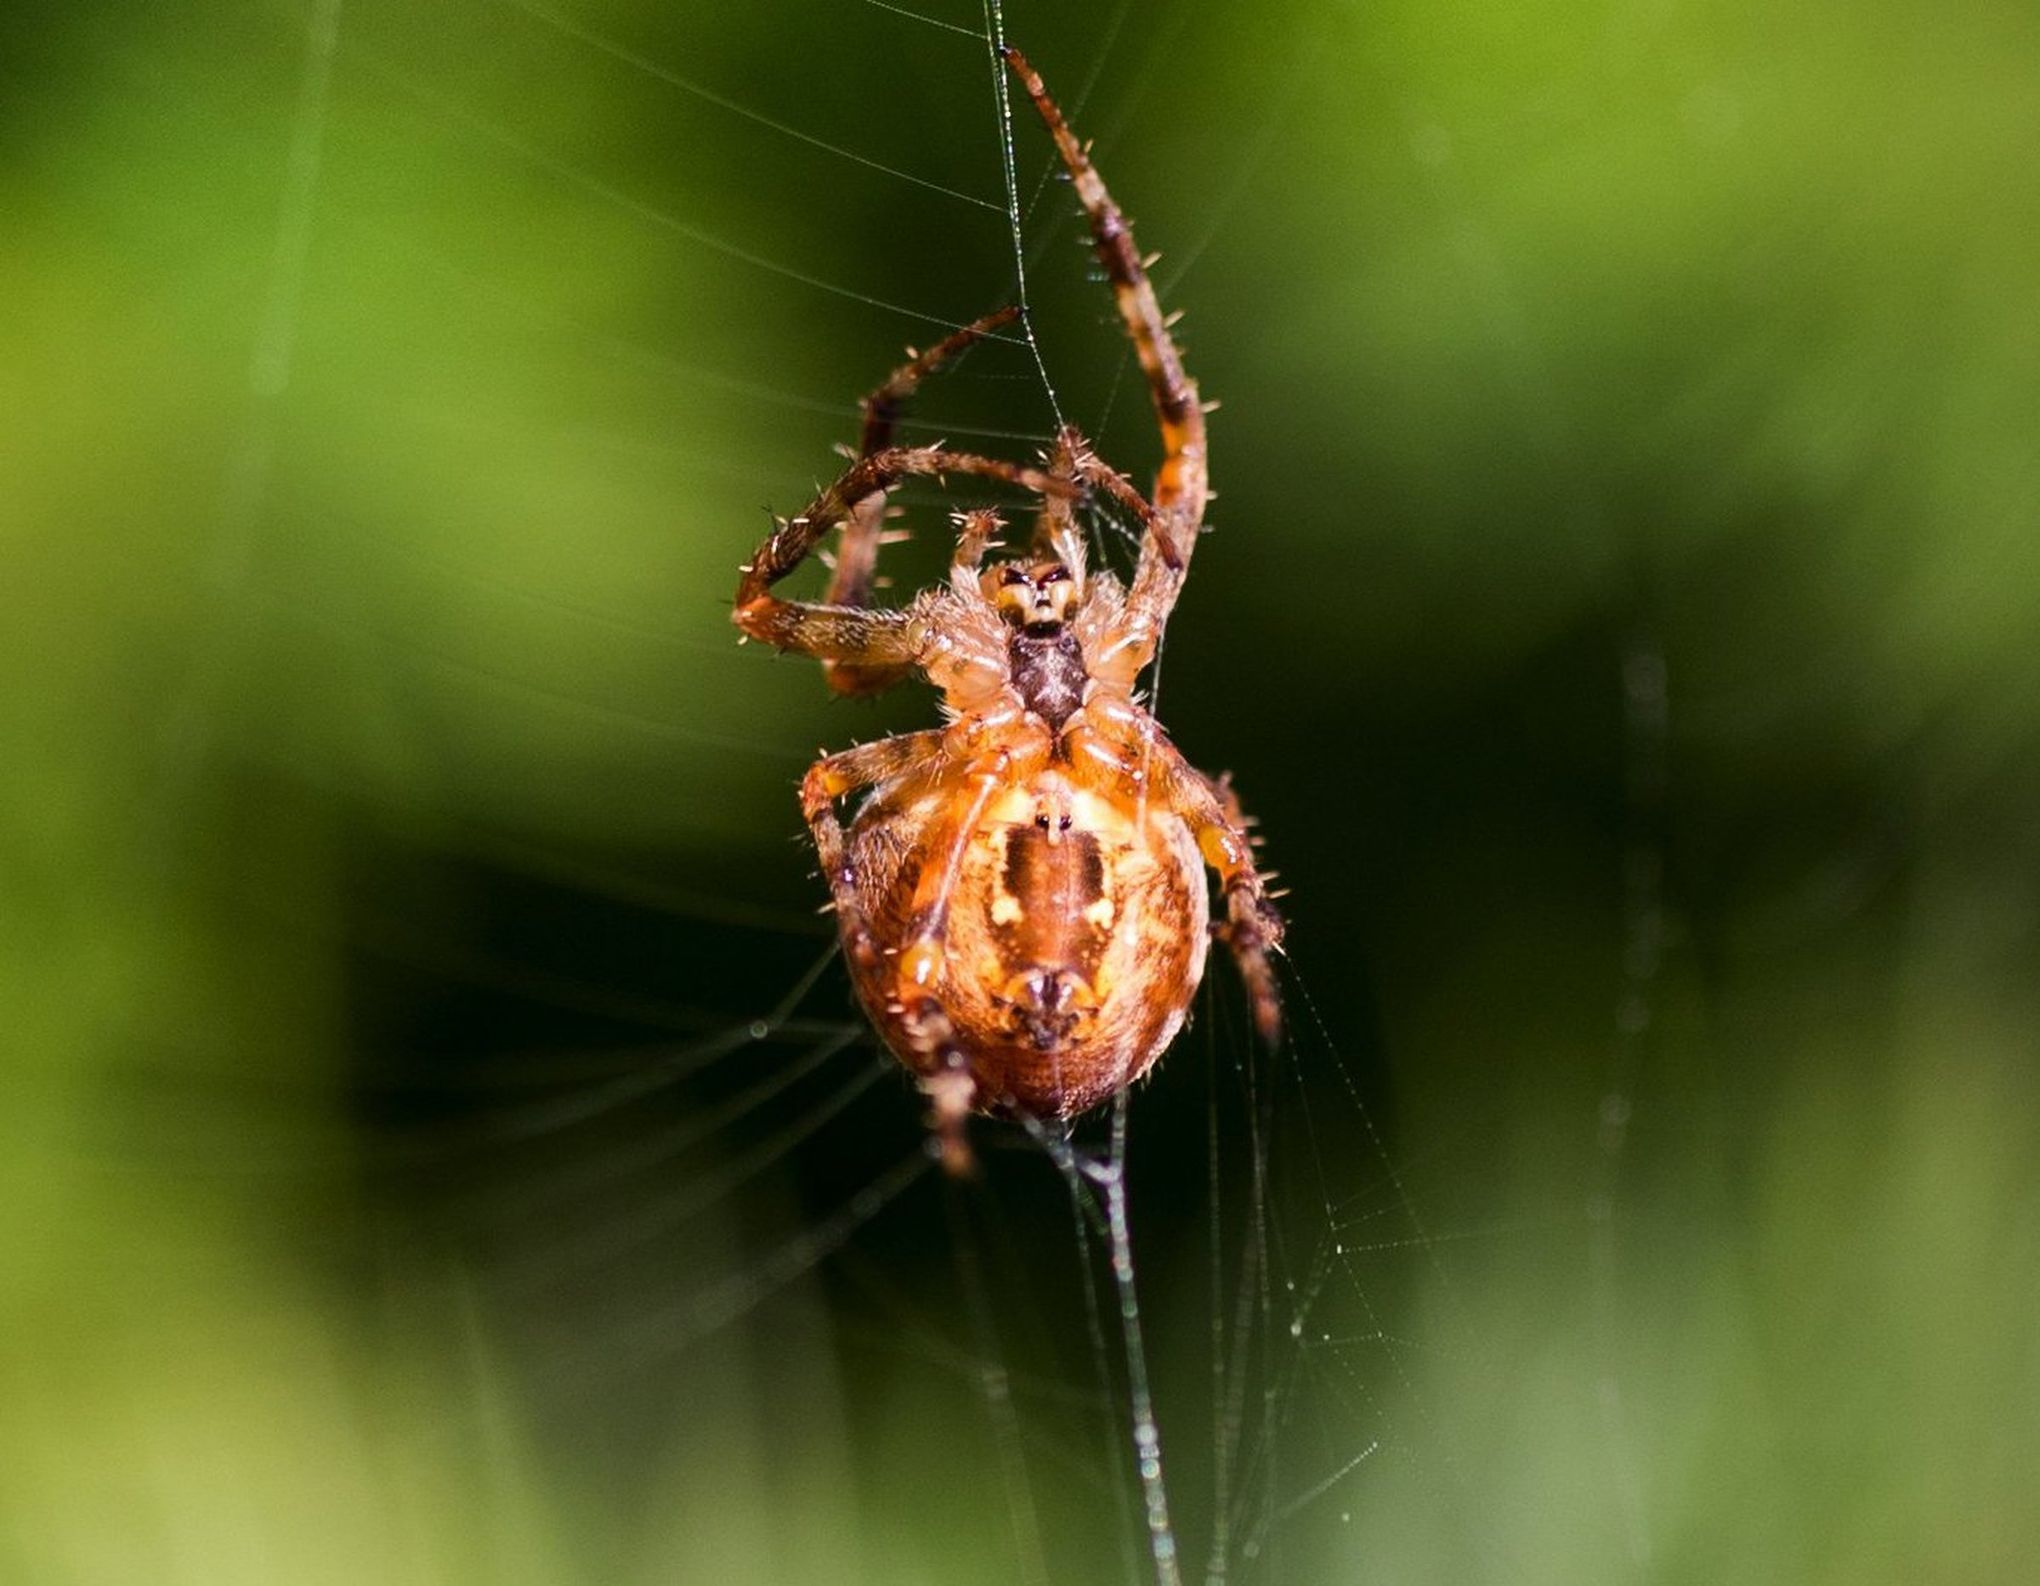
(1259, 1294)
(603, 1172)
(562, 1188)
(622, 1163)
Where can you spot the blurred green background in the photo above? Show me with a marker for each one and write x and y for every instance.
(433, 1138)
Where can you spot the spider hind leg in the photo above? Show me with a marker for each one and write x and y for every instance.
(1120, 747)
(1253, 927)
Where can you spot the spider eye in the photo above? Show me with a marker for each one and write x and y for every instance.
(1012, 576)
(1056, 575)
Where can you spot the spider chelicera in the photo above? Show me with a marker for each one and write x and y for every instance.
(1020, 893)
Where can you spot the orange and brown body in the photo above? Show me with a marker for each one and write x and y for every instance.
(1021, 893)
(1075, 928)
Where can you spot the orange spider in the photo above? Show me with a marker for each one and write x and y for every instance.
(1021, 893)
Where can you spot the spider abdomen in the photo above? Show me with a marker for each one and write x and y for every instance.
(1074, 938)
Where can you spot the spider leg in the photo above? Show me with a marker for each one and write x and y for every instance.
(1120, 747)
(835, 775)
(883, 407)
(1056, 535)
(851, 582)
(858, 635)
(856, 570)
(1182, 486)
(1096, 472)
(921, 959)
(975, 532)
(937, 1058)
(1253, 928)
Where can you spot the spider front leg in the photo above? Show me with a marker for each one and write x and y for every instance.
(855, 575)
(1182, 485)
(1121, 748)
(857, 635)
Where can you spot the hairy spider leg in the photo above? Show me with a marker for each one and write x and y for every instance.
(1094, 470)
(833, 776)
(856, 572)
(1253, 928)
(1122, 751)
(1055, 530)
(860, 635)
(975, 532)
(915, 757)
(1056, 535)
(1182, 485)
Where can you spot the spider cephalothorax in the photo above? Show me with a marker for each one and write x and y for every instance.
(1044, 658)
(1021, 892)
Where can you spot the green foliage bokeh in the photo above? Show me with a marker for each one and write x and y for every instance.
(385, 425)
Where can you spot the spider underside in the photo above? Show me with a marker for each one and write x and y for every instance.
(1020, 893)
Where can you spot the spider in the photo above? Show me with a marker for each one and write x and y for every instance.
(1020, 893)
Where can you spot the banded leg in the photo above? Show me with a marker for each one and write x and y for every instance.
(829, 779)
(855, 634)
(938, 1062)
(854, 577)
(1056, 535)
(1055, 528)
(1253, 928)
(1182, 486)
(1093, 470)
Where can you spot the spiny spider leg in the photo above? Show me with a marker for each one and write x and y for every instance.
(856, 571)
(883, 407)
(860, 635)
(833, 776)
(1095, 471)
(1056, 535)
(921, 957)
(944, 1075)
(976, 532)
(1182, 486)
(1253, 928)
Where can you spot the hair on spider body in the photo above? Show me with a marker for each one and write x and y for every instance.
(1021, 893)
